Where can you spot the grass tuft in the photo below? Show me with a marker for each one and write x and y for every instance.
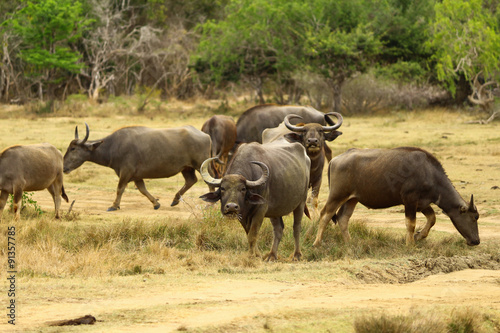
(460, 320)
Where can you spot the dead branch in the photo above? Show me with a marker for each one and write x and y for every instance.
(484, 122)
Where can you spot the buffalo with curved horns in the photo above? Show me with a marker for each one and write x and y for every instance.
(255, 120)
(312, 136)
(136, 153)
(381, 178)
(263, 180)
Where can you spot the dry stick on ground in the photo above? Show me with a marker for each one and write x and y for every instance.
(71, 207)
(483, 122)
(86, 320)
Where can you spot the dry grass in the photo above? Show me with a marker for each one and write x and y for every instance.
(103, 250)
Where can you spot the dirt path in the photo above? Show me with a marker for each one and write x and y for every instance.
(248, 302)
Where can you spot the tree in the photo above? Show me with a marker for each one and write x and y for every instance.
(256, 40)
(340, 43)
(261, 39)
(48, 30)
(466, 42)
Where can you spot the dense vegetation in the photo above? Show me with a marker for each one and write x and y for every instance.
(333, 53)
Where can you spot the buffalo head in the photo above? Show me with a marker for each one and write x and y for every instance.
(464, 219)
(79, 151)
(312, 136)
(234, 191)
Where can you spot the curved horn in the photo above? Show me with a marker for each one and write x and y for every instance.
(86, 134)
(293, 127)
(206, 175)
(329, 121)
(262, 179)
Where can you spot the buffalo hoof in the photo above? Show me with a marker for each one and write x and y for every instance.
(270, 257)
(297, 256)
(157, 206)
(112, 209)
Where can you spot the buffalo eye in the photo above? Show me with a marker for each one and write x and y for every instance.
(243, 190)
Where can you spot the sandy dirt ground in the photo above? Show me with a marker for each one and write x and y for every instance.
(236, 303)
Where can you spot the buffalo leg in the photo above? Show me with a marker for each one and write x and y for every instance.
(297, 225)
(314, 194)
(122, 184)
(431, 220)
(56, 196)
(253, 232)
(190, 178)
(327, 213)
(4, 195)
(18, 197)
(411, 221)
(141, 186)
(278, 227)
(345, 213)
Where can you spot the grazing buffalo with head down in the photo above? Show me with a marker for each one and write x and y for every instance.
(136, 153)
(254, 121)
(312, 136)
(381, 178)
(31, 168)
(269, 180)
(222, 131)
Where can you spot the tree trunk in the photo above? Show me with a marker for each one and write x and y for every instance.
(336, 87)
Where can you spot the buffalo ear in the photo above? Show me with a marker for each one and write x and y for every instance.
(330, 136)
(211, 196)
(256, 199)
(93, 146)
(293, 137)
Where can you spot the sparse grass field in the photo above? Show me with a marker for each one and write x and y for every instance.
(185, 268)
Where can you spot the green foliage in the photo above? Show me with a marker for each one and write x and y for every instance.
(404, 29)
(256, 38)
(48, 30)
(465, 40)
(402, 71)
(27, 201)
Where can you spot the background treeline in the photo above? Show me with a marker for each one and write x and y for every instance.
(348, 55)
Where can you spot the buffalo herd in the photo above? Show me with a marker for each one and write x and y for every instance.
(261, 166)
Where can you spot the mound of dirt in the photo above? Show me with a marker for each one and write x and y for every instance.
(416, 269)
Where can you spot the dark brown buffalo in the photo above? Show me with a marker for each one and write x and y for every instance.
(255, 120)
(312, 136)
(136, 153)
(381, 178)
(263, 180)
(222, 131)
(31, 168)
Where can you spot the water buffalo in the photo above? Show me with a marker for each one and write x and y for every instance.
(136, 153)
(222, 131)
(381, 178)
(255, 120)
(31, 168)
(263, 180)
(312, 136)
